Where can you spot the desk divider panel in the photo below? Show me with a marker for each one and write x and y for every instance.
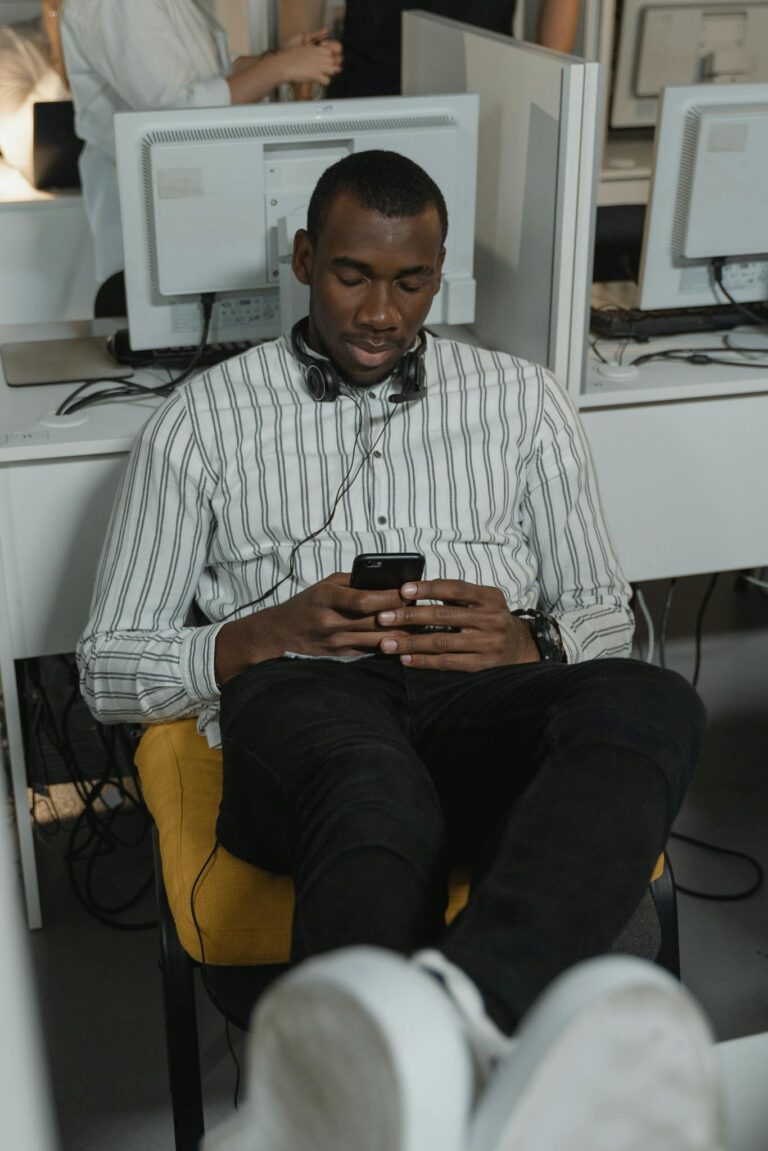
(537, 179)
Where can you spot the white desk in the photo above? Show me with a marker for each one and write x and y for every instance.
(680, 458)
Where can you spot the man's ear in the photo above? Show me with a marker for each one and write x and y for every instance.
(301, 260)
(439, 270)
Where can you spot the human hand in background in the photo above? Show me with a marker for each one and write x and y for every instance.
(305, 87)
(313, 60)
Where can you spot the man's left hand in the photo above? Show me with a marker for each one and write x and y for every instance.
(474, 628)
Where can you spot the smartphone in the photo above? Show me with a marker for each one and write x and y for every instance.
(378, 571)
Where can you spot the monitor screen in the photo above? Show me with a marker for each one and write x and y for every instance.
(675, 42)
(706, 227)
(211, 199)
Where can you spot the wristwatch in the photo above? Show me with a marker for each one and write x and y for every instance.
(545, 633)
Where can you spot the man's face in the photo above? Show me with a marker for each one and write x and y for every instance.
(372, 279)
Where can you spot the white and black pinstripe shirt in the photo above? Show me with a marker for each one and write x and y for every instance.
(489, 476)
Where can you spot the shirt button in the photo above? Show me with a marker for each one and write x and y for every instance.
(382, 519)
(378, 454)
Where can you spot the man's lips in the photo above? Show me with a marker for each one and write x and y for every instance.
(372, 353)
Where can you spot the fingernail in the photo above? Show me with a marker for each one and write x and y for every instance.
(408, 590)
(386, 617)
(406, 658)
(389, 645)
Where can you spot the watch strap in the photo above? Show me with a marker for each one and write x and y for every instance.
(545, 633)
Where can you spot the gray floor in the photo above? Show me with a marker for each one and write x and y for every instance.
(99, 988)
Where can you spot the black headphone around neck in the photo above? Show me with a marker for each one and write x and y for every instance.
(324, 383)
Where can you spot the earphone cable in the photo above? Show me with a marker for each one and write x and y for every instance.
(342, 490)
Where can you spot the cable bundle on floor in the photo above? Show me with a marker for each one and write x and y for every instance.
(111, 818)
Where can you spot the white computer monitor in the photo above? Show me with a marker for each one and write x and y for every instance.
(709, 198)
(211, 199)
(674, 42)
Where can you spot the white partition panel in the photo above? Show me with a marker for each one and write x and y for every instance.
(536, 183)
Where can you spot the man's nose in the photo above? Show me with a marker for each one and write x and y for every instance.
(378, 309)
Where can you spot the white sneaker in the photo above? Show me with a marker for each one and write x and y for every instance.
(614, 1056)
(355, 1050)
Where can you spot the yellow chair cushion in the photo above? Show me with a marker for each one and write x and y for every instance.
(242, 915)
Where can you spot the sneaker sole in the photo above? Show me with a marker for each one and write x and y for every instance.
(614, 1056)
(357, 1050)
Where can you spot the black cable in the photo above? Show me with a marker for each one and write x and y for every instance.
(716, 267)
(593, 345)
(728, 897)
(699, 625)
(697, 357)
(132, 389)
(233, 1053)
(344, 487)
(128, 388)
(93, 834)
(215, 999)
(665, 621)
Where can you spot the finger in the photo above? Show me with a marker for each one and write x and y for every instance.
(347, 641)
(438, 615)
(454, 661)
(432, 643)
(340, 578)
(370, 602)
(453, 590)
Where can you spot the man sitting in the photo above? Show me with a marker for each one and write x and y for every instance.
(487, 711)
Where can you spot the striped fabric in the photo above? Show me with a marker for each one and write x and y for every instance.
(488, 475)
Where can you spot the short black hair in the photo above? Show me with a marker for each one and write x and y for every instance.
(384, 182)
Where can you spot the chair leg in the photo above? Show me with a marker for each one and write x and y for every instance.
(665, 900)
(182, 1043)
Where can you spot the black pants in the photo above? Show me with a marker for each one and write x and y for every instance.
(372, 39)
(366, 781)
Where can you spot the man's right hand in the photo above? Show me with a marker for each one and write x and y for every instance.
(327, 619)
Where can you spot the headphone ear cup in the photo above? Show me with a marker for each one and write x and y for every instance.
(413, 373)
(409, 374)
(320, 376)
(322, 382)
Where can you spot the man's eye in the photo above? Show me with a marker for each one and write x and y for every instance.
(350, 282)
(407, 287)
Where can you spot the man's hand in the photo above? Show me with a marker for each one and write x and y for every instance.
(327, 619)
(482, 632)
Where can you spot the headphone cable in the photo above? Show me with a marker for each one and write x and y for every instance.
(343, 488)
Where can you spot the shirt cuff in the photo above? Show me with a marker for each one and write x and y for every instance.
(196, 663)
(571, 645)
(212, 93)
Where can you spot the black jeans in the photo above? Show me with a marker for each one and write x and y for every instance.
(366, 781)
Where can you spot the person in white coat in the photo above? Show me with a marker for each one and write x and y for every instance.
(147, 54)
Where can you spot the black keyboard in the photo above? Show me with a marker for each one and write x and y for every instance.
(173, 358)
(634, 324)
